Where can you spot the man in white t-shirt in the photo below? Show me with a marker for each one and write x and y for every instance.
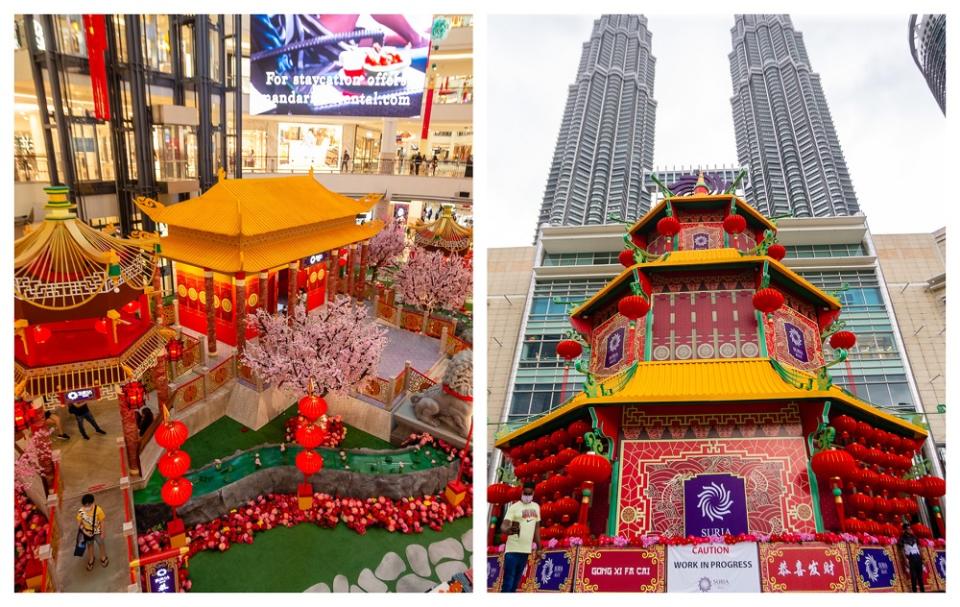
(521, 523)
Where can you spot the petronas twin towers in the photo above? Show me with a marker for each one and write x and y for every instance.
(784, 131)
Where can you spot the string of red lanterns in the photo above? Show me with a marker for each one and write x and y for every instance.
(309, 436)
(173, 465)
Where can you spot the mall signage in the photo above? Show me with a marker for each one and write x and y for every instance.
(811, 567)
(339, 65)
(313, 259)
(713, 568)
(714, 505)
(876, 569)
(162, 577)
(620, 570)
(494, 572)
(78, 396)
(552, 572)
(939, 556)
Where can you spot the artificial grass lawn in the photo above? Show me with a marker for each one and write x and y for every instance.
(225, 436)
(293, 559)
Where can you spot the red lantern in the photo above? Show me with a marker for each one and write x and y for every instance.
(133, 394)
(921, 530)
(310, 436)
(844, 423)
(626, 258)
(131, 307)
(559, 438)
(590, 467)
(860, 502)
(171, 435)
(668, 226)
(866, 431)
(768, 300)
(633, 306)
(777, 251)
(530, 449)
(567, 505)
(858, 451)
(543, 444)
(566, 456)
(22, 413)
(833, 463)
(843, 340)
(577, 429)
(882, 505)
(41, 334)
(309, 462)
(175, 349)
(312, 407)
(853, 525)
(569, 349)
(100, 325)
(176, 492)
(342, 261)
(174, 464)
(734, 224)
(578, 530)
(932, 487)
(499, 493)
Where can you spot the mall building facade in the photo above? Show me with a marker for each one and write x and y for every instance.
(179, 90)
(529, 288)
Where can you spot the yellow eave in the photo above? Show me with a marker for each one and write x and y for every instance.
(702, 257)
(711, 380)
(681, 200)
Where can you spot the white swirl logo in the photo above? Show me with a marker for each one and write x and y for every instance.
(872, 568)
(714, 501)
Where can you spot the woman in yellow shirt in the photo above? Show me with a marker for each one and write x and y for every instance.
(90, 517)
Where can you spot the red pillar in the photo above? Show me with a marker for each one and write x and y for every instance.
(240, 296)
(158, 295)
(292, 288)
(264, 281)
(363, 270)
(131, 436)
(211, 319)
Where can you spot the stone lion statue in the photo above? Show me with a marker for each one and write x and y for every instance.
(449, 403)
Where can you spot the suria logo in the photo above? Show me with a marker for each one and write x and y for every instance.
(79, 395)
(796, 338)
(714, 501)
(704, 584)
(614, 341)
(546, 573)
(871, 568)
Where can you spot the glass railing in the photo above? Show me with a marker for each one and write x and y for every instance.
(30, 168)
(427, 168)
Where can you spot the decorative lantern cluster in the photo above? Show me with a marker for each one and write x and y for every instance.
(309, 436)
(173, 465)
(134, 394)
(175, 349)
(24, 415)
(870, 474)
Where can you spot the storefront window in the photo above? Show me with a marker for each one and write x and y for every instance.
(366, 151)
(156, 29)
(175, 152)
(305, 145)
(214, 46)
(72, 40)
(454, 89)
(254, 150)
(186, 47)
(85, 152)
(30, 161)
(105, 152)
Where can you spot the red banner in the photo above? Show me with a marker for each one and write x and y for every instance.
(620, 569)
(95, 27)
(805, 568)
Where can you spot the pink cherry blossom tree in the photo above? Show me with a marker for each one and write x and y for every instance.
(36, 457)
(432, 281)
(336, 347)
(386, 247)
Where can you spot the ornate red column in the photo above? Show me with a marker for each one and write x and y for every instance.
(264, 281)
(326, 264)
(160, 382)
(158, 294)
(362, 279)
(351, 254)
(240, 297)
(211, 319)
(332, 269)
(292, 288)
(131, 435)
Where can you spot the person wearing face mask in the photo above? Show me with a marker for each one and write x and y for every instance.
(521, 523)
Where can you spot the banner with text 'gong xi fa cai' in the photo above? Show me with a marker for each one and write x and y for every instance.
(713, 568)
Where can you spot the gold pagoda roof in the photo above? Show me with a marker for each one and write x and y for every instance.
(444, 233)
(710, 381)
(252, 225)
(700, 199)
(255, 207)
(693, 258)
(64, 264)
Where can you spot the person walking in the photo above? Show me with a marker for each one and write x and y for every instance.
(82, 412)
(910, 547)
(344, 165)
(521, 523)
(90, 518)
(468, 171)
(433, 164)
(416, 163)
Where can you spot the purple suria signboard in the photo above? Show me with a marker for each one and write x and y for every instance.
(616, 345)
(714, 505)
(796, 343)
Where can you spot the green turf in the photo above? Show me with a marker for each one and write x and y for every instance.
(292, 560)
(225, 436)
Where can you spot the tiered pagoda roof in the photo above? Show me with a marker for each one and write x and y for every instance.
(444, 234)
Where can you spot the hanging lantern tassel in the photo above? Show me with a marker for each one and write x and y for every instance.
(838, 501)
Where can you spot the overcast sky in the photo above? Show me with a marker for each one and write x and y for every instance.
(891, 130)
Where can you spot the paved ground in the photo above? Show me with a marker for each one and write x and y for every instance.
(422, 351)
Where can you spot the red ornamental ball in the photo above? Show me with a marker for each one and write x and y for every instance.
(626, 258)
(312, 407)
(734, 224)
(530, 449)
(310, 436)
(578, 530)
(41, 334)
(866, 431)
(590, 467)
(833, 463)
(176, 492)
(543, 444)
(342, 261)
(566, 456)
(843, 340)
(309, 462)
(569, 349)
(577, 429)
(499, 493)
(174, 464)
(100, 325)
(515, 453)
(566, 505)
(768, 300)
(844, 423)
(932, 487)
(777, 251)
(559, 438)
(668, 226)
(633, 306)
(171, 435)
(860, 502)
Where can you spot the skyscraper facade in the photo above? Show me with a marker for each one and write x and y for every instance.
(928, 45)
(606, 137)
(783, 126)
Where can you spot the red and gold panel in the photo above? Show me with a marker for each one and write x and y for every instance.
(656, 422)
(706, 324)
(811, 567)
(794, 339)
(699, 236)
(621, 569)
(653, 472)
(615, 346)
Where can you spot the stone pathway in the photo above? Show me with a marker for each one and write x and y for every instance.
(413, 573)
(422, 351)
